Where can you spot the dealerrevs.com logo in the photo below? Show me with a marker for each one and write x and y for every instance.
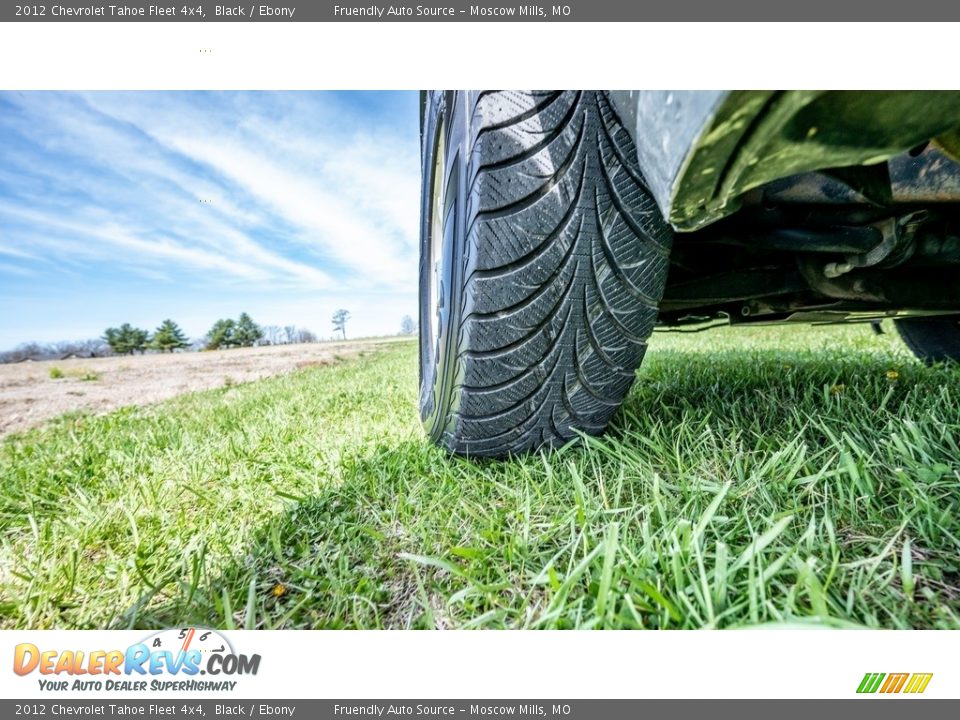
(169, 660)
(888, 683)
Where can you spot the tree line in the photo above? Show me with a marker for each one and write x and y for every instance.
(127, 340)
(169, 337)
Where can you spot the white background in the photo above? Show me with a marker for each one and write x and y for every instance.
(760, 663)
(547, 665)
(379, 56)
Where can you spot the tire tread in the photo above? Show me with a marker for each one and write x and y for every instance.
(565, 260)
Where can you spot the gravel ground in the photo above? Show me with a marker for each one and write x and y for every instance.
(30, 394)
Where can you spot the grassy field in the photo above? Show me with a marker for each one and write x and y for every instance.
(768, 475)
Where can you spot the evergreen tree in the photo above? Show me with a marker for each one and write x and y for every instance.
(112, 338)
(169, 337)
(221, 335)
(126, 339)
(407, 326)
(246, 332)
(139, 339)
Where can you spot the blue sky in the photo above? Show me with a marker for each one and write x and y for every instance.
(134, 207)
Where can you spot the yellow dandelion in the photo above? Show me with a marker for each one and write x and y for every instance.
(838, 389)
(279, 590)
(892, 375)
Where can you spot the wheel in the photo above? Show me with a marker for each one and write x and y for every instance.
(933, 339)
(543, 259)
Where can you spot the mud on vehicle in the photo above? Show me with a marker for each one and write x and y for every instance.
(558, 228)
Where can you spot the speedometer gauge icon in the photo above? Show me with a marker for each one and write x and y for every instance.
(181, 640)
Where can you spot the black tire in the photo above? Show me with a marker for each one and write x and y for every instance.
(551, 261)
(934, 339)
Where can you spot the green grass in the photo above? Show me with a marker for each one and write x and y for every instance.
(84, 374)
(767, 475)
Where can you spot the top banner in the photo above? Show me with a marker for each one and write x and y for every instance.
(466, 11)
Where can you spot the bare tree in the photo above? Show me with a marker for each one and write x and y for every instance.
(95, 347)
(305, 336)
(26, 351)
(56, 350)
(272, 334)
(286, 335)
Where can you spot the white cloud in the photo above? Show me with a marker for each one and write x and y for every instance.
(341, 229)
(286, 205)
(353, 196)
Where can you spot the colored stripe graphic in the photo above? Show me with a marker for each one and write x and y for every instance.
(918, 682)
(870, 682)
(894, 683)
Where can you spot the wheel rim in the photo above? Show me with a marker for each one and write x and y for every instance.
(435, 238)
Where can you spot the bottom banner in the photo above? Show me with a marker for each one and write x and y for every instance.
(566, 709)
(233, 668)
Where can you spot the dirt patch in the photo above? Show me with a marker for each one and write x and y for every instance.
(315, 363)
(33, 392)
